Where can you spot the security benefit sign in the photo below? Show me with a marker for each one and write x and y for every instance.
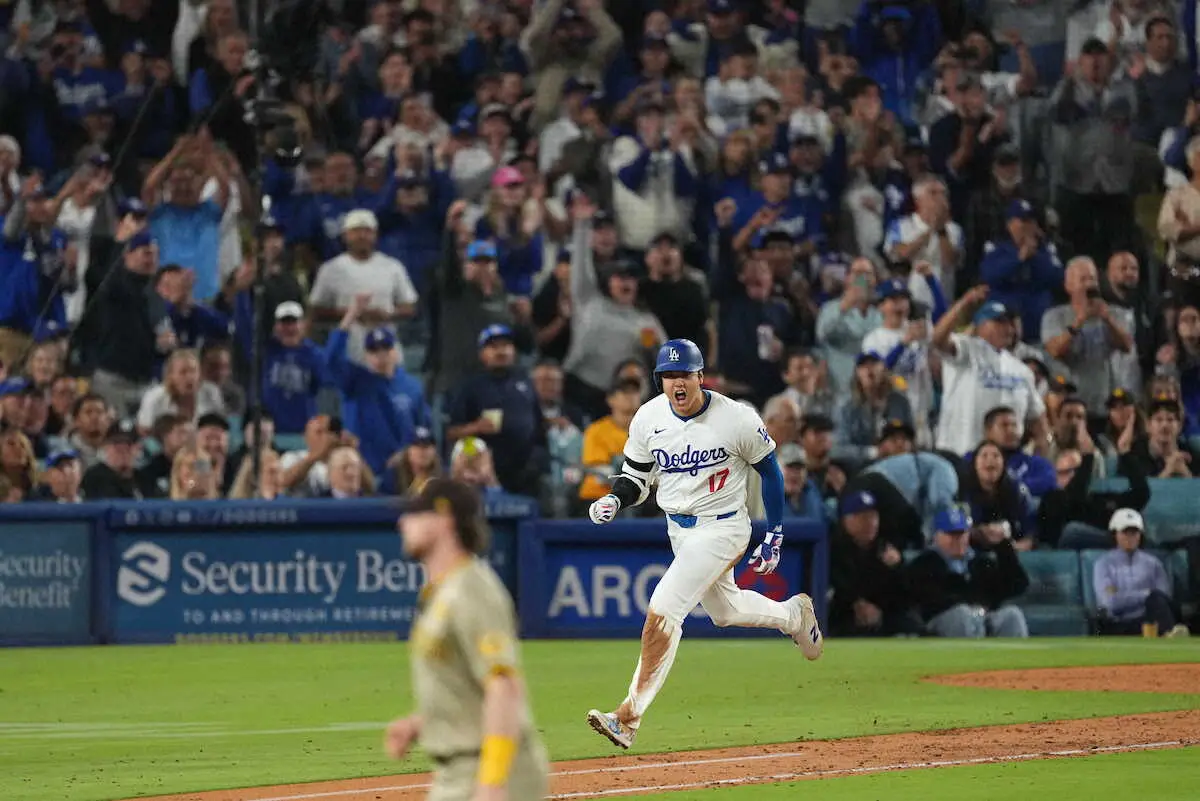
(45, 582)
(263, 587)
(604, 591)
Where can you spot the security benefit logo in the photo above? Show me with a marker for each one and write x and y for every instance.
(145, 568)
(262, 583)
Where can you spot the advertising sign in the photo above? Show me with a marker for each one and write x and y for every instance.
(585, 582)
(262, 587)
(45, 581)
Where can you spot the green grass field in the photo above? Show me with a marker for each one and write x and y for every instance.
(103, 723)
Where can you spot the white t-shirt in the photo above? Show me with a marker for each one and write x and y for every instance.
(906, 229)
(975, 380)
(317, 480)
(156, 402)
(913, 367)
(76, 223)
(701, 464)
(343, 277)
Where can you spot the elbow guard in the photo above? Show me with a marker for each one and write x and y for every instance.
(632, 486)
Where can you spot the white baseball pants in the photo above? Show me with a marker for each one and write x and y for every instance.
(701, 572)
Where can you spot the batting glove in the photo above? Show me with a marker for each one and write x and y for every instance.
(605, 509)
(765, 558)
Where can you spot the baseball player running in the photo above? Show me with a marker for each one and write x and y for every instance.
(701, 447)
(472, 713)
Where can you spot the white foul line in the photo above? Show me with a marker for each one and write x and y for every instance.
(817, 774)
(782, 777)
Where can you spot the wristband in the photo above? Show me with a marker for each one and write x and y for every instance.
(495, 760)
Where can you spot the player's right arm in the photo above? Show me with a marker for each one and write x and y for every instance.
(632, 486)
(400, 736)
(942, 339)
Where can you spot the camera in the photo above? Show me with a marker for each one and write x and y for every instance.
(917, 311)
(1093, 293)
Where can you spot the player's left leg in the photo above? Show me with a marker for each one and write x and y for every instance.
(730, 605)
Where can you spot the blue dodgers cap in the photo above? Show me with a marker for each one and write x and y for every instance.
(1019, 209)
(867, 356)
(423, 436)
(46, 330)
(58, 457)
(899, 13)
(652, 40)
(270, 223)
(381, 338)
(13, 386)
(992, 310)
(96, 105)
(142, 239)
(952, 520)
(497, 331)
(854, 502)
(893, 288)
(410, 179)
(721, 6)
(765, 236)
(463, 128)
(577, 84)
(774, 164)
(481, 249)
(132, 205)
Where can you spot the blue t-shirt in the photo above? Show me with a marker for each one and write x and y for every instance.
(190, 236)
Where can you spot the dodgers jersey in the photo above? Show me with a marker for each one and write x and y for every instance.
(701, 463)
(977, 379)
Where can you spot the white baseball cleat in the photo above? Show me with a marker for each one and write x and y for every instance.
(606, 723)
(807, 634)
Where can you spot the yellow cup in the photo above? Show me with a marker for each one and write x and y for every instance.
(1150, 630)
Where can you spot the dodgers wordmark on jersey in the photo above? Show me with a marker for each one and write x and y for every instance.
(701, 463)
(977, 379)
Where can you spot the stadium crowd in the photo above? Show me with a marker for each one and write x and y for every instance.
(949, 248)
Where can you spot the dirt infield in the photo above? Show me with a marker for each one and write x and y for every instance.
(658, 773)
(1183, 679)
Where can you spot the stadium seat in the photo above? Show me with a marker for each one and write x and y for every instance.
(1171, 514)
(1053, 604)
(1087, 563)
(289, 442)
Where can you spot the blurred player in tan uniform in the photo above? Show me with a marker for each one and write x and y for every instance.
(472, 714)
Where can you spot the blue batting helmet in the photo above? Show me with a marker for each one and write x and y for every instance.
(679, 356)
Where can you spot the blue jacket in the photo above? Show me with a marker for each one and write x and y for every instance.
(897, 72)
(1035, 473)
(633, 174)
(517, 262)
(800, 217)
(382, 412)
(810, 504)
(1022, 285)
(290, 381)
(317, 219)
(30, 272)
